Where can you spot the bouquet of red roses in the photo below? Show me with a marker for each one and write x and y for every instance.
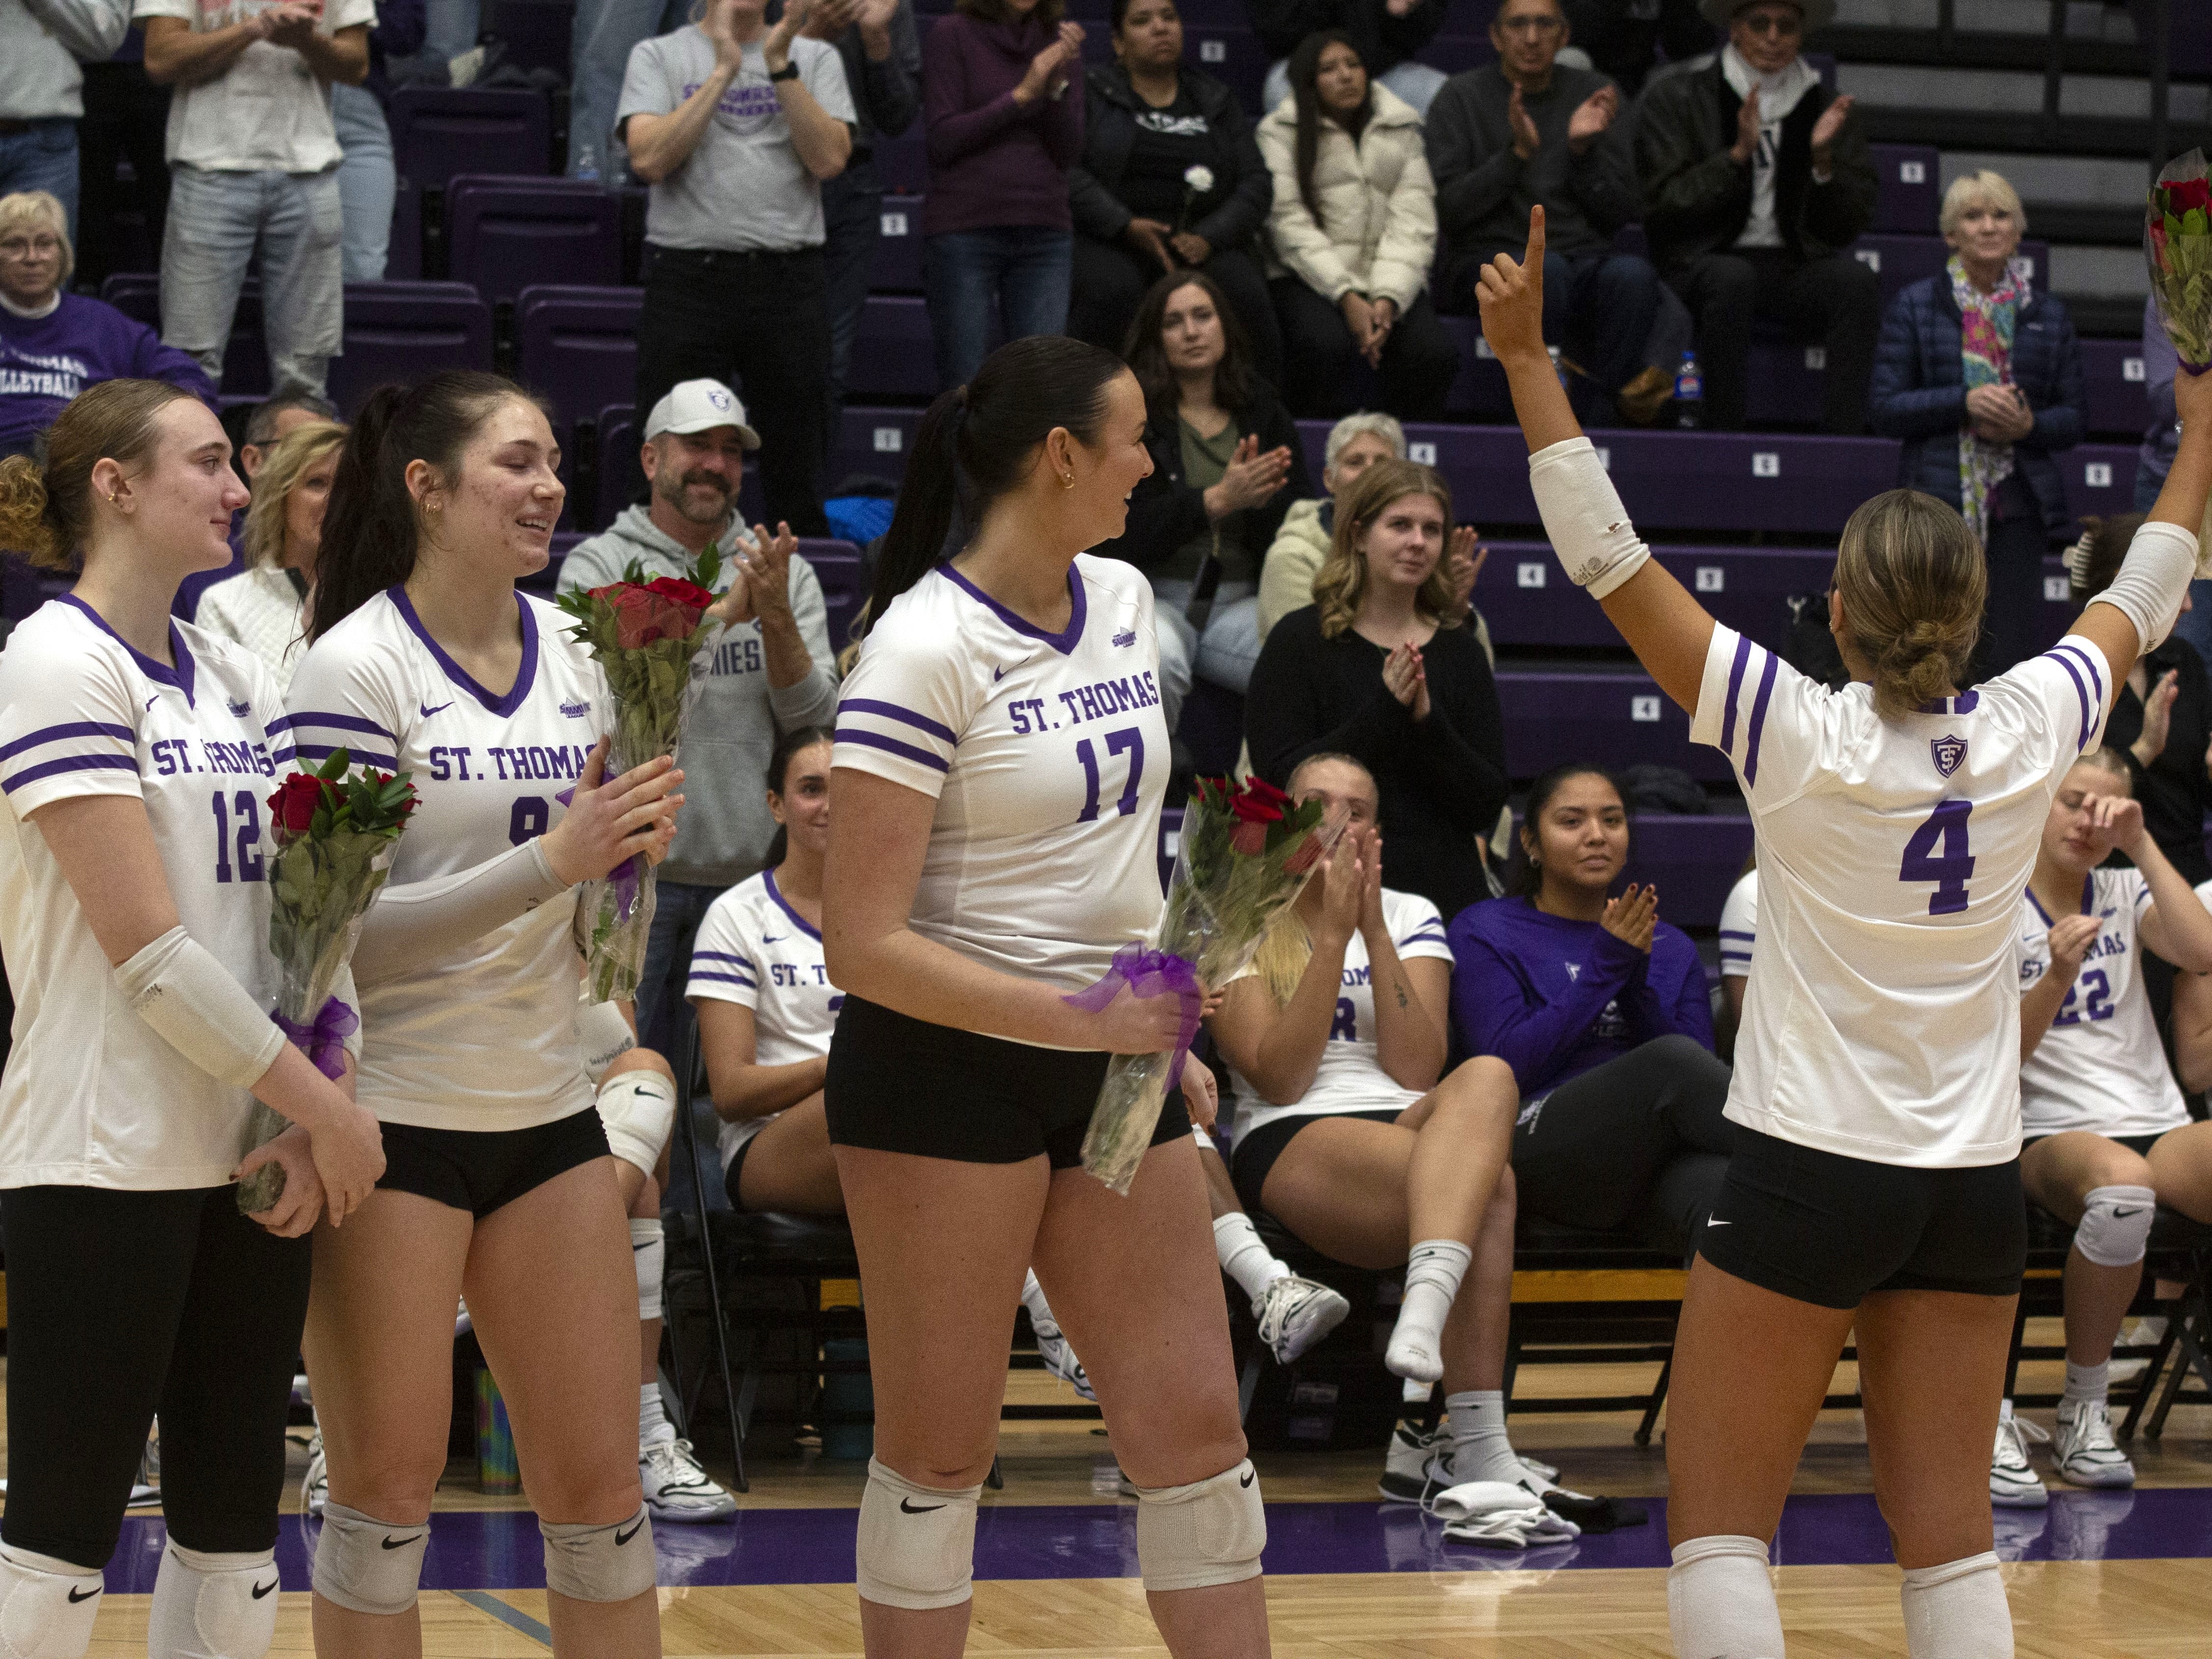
(645, 636)
(1245, 850)
(334, 829)
(2177, 243)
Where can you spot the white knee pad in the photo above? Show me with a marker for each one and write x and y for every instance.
(917, 1544)
(1958, 1610)
(599, 1563)
(368, 1566)
(1210, 1531)
(638, 1108)
(46, 1606)
(208, 1606)
(1720, 1602)
(650, 1247)
(2115, 1227)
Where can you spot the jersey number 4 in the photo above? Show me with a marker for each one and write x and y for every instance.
(1950, 868)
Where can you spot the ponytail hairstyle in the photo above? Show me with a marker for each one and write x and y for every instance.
(977, 443)
(1305, 69)
(1912, 580)
(788, 746)
(46, 505)
(1524, 876)
(371, 530)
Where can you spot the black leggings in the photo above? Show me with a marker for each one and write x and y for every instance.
(1638, 1142)
(123, 1303)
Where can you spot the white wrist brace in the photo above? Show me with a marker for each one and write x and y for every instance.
(2153, 579)
(406, 927)
(190, 999)
(1582, 515)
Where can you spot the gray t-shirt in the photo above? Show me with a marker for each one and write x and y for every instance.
(743, 188)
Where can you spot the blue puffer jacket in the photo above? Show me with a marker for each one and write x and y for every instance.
(1919, 393)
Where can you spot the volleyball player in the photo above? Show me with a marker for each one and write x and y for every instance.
(1876, 1180)
(994, 839)
(135, 758)
(498, 1180)
(2109, 1136)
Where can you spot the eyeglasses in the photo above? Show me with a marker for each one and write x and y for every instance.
(35, 247)
(1783, 25)
(1536, 24)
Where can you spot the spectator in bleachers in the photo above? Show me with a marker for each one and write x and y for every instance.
(126, 119)
(1002, 99)
(1226, 465)
(1601, 1011)
(253, 161)
(1980, 373)
(1352, 234)
(1387, 34)
(735, 125)
(1371, 671)
(43, 46)
(1171, 178)
(54, 344)
(368, 183)
(275, 418)
(601, 38)
(1525, 130)
(1756, 182)
(1623, 37)
(769, 674)
(882, 52)
(264, 606)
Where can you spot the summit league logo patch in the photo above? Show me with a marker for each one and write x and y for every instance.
(1948, 752)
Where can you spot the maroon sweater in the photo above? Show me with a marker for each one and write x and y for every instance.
(994, 161)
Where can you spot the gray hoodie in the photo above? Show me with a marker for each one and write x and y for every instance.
(722, 834)
(41, 44)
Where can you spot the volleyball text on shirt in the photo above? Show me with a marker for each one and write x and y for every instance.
(1046, 755)
(483, 1037)
(93, 1096)
(1882, 1020)
(753, 950)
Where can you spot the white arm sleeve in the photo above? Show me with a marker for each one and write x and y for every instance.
(177, 987)
(406, 927)
(2153, 579)
(1582, 515)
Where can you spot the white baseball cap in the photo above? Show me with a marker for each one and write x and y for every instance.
(700, 406)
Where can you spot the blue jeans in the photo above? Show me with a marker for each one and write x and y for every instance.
(986, 287)
(367, 186)
(453, 26)
(215, 220)
(678, 908)
(45, 158)
(599, 55)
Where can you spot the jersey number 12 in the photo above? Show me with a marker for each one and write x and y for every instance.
(1948, 869)
(246, 836)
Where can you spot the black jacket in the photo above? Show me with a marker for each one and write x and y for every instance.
(1697, 197)
(1384, 41)
(1245, 189)
(2174, 789)
(1165, 512)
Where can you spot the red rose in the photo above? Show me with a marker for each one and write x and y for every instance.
(684, 593)
(292, 808)
(1248, 809)
(1249, 838)
(2186, 193)
(1263, 790)
(642, 616)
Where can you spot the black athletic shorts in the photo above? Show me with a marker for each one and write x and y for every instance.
(481, 1170)
(1256, 1153)
(731, 1176)
(2139, 1144)
(1830, 1229)
(901, 1085)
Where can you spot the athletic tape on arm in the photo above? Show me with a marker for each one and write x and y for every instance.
(177, 987)
(408, 926)
(1588, 528)
(2153, 581)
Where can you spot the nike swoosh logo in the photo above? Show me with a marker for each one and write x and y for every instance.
(76, 1596)
(998, 674)
(908, 1506)
(621, 1538)
(260, 1590)
(773, 938)
(647, 1094)
(1243, 1480)
(2118, 1214)
(1720, 1224)
(151, 701)
(391, 1543)
(427, 711)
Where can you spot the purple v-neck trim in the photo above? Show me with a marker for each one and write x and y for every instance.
(804, 926)
(1065, 642)
(524, 679)
(180, 677)
(2089, 892)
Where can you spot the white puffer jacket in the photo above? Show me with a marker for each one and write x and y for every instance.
(1379, 230)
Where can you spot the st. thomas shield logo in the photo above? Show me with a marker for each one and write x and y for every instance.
(1948, 752)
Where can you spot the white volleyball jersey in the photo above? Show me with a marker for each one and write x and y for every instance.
(93, 1097)
(2101, 1066)
(1881, 1017)
(753, 950)
(1046, 755)
(483, 1037)
(1351, 1078)
(1740, 926)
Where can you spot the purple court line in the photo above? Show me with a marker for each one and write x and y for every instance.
(500, 1549)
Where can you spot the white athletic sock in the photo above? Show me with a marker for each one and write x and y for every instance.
(1432, 1274)
(2086, 1383)
(1033, 1299)
(1480, 1450)
(1243, 1257)
(654, 1427)
(209, 1605)
(1720, 1601)
(1958, 1610)
(47, 1606)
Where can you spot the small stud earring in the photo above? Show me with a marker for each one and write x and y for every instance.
(1068, 481)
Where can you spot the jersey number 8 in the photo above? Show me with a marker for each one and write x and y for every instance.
(1949, 869)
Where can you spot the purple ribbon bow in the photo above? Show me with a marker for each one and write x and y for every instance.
(323, 1040)
(626, 880)
(1150, 973)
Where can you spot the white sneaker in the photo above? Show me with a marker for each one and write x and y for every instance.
(1406, 1466)
(1296, 1313)
(676, 1488)
(315, 1488)
(1058, 1355)
(2013, 1482)
(2086, 1454)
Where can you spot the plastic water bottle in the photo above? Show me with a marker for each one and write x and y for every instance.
(587, 165)
(1689, 393)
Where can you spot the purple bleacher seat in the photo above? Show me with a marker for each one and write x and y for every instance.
(544, 582)
(1202, 13)
(577, 347)
(893, 355)
(20, 592)
(1785, 382)
(1693, 861)
(1454, 54)
(2100, 478)
(535, 32)
(844, 583)
(1610, 717)
(1908, 188)
(1527, 601)
(903, 163)
(437, 132)
(2114, 370)
(504, 233)
(871, 441)
(138, 296)
(1900, 261)
(405, 333)
(1228, 50)
(621, 478)
(898, 251)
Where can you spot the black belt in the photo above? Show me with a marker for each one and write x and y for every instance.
(752, 256)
